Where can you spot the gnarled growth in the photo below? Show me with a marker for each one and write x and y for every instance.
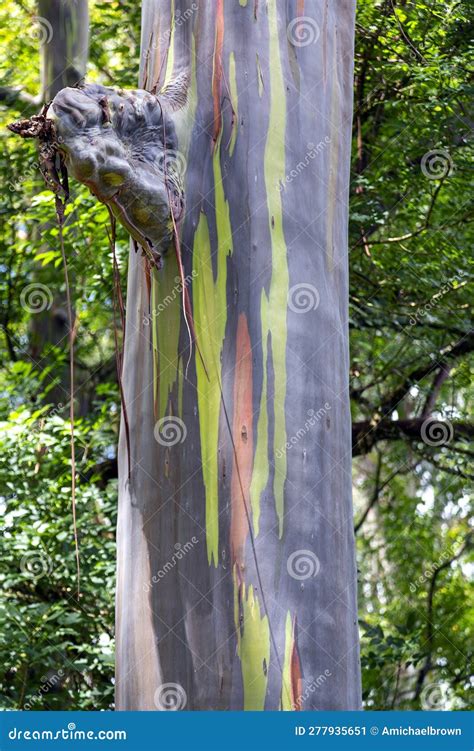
(121, 145)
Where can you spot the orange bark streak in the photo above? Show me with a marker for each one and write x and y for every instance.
(217, 74)
(295, 672)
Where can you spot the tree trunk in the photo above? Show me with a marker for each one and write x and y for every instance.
(236, 571)
(63, 33)
(64, 37)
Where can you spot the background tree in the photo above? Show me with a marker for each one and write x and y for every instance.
(408, 302)
(62, 654)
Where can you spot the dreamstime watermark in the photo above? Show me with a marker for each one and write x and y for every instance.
(310, 422)
(303, 564)
(433, 567)
(312, 153)
(71, 733)
(36, 297)
(437, 164)
(41, 30)
(313, 685)
(175, 293)
(177, 21)
(425, 309)
(433, 696)
(170, 697)
(47, 683)
(303, 297)
(38, 425)
(180, 552)
(302, 31)
(436, 432)
(169, 431)
(171, 162)
(36, 564)
(30, 171)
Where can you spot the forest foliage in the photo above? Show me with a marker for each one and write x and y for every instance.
(411, 370)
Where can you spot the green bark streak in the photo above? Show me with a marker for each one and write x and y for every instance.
(170, 59)
(165, 321)
(210, 316)
(253, 646)
(277, 302)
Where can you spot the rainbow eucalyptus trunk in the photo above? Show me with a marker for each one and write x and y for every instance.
(236, 573)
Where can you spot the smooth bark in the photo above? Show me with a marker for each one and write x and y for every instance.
(64, 38)
(236, 573)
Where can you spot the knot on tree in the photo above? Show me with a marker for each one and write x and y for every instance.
(123, 146)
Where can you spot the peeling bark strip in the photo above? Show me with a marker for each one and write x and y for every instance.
(217, 73)
(265, 602)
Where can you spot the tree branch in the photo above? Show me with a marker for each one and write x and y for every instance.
(11, 95)
(367, 433)
(427, 665)
(451, 352)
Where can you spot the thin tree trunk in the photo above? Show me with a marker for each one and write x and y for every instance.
(64, 37)
(63, 34)
(236, 573)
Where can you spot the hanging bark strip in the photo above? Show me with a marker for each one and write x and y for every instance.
(72, 331)
(55, 175)
(186, 301)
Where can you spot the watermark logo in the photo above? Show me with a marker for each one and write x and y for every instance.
(179, 18)
(170, 697)
(36, 564)
(312, 685)
(29, 173)
(303, 297)
(433, 697)
(36, 297)
(303, 31)
(313, 151)
(436, 432)
(39, 424)
(41, 31)
(303, 564)
(175, 293)
(47, 683)
(180, 552)
(425, 309)
(171, 162)
(310, 422)
(432, 568)
(437, 164)
(169, 431)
